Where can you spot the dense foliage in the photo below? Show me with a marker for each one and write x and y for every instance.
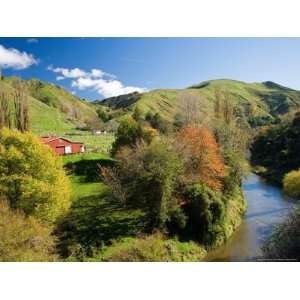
(201, 156)
(130, 132)
(178, 181)
(147, 175)
(152, 248)
(206, 210)
(24, 238)
(291, 184)
(277, 149)
(284, 242)
(32, 178)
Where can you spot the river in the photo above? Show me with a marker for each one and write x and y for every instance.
(267, 206)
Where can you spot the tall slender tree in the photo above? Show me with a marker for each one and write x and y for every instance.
(22, 118)
(5, 113)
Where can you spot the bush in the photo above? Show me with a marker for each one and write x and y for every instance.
(152, 248)
(291, 184)
(23, 238)
(32, 177)
(128, 133)
(157, 122)
(284, 242)
(146, 177)
(205, 211)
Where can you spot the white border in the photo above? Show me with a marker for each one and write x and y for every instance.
(149, 18)
(148, 281)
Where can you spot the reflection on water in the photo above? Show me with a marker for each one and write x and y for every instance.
(266, 206)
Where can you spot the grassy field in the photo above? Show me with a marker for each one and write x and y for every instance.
(99, 143)
(94, 218)
(98, 228)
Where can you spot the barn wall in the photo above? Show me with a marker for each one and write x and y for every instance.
(58, 146)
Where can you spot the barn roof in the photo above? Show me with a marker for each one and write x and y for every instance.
(48, 139)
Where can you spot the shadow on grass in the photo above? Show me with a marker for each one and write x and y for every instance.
(89, 167)
(95, 220)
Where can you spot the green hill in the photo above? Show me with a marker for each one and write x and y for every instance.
(259, 102)
(53, 109)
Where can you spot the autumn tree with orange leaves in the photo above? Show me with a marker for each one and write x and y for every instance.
(201, 157)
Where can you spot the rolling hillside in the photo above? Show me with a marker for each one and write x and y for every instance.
(257, 101)
(53, 109)
(56, 111)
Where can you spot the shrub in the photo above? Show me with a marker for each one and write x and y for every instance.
(284, 243)
(23, 238)
(291, 183)
(157, 122)
(152, 248)
(32, 177)
(147, 177)
(205, 211)
(128, 133)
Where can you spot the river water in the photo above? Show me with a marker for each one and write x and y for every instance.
(267, 206)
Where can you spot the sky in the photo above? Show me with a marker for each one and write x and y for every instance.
(97, 68)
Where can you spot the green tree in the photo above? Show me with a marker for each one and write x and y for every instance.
(21, 102)
(24, 238)
(205, 210)
(157, 122)
(128, 133)
(5, 111)
(32, 177)
(145, 177)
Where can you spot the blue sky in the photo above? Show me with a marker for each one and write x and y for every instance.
(94, 68)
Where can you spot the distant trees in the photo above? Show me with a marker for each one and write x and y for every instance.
(157, 122)
(232, 137)
(5, 111)
(130, 132)
(15, 113)
(32, 178)
(190, 108)
(93, 124)
(277, 149)
(103, 114)
(24, 238)
(22, 119)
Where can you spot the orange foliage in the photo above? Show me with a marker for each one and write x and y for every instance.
(201, 156)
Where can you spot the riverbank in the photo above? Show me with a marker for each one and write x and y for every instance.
(267, 206)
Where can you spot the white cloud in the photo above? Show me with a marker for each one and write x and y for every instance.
(107, 88)
(97, 80)
(97, 73)
(14, 59)
(32, 41)
(68, 73)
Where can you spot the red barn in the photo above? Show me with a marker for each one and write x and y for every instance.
(62, 146)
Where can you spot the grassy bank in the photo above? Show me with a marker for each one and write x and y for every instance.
(98, 228)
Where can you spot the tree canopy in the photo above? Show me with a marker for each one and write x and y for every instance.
(32, 177)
